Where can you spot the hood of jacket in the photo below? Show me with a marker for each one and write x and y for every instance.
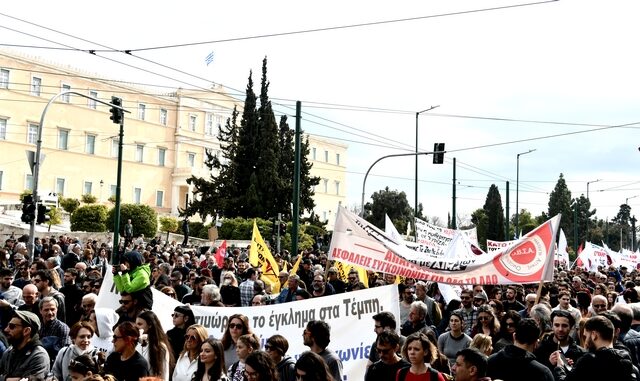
(106, 318)
(133, 258)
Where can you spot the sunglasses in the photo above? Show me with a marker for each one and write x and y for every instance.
(235, 326)
(268, 347)
(13, 326)
(175, 314)
(484, 318)
(190, 338)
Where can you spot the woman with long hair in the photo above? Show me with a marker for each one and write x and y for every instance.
(311, 367)
(81, 334)
(277, 347)
(246, 345)
(210, 362)
(486, 323)
(482, 343)
(125, 363)
(237, 326)
(187, 361)
(154, 345)
(449, 343)
(229, 290)
(507, 329)
(260, 367)
(453, 305)
(420, 352)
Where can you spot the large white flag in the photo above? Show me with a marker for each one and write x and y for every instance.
(562, 256)
(357, 241)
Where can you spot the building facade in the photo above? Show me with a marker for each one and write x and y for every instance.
(166, 138)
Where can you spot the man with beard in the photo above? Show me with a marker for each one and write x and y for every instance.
(338, 284)
(561, 321)
(468, 311)
(317, 336)
(26, 356)
(387, 345)
(44, 283)
(196, 295)
(510, 303)
(72, 296)
(320, 287)
(602, 361)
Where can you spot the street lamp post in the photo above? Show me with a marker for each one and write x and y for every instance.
(518, 190)
(588, 217)
(101, 185)
(626, 202)
(415, 211)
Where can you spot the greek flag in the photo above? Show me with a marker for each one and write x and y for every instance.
(209, 59)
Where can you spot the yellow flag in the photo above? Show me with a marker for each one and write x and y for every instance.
(294, 269)
(362, 275)
(343, 271)
(284, 266)
(260, 256)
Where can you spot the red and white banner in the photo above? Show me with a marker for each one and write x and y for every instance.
(493, 246)
(593, 256)
(434, 240)
(627, 258)
(531, 260)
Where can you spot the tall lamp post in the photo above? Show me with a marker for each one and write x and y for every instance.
(415, 211)
(588, 217)
(626, 202)
(518, 190)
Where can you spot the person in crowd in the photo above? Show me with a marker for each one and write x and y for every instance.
(468, 311)
(471, 365)
(132, 276)
(382, 321)
(72, 297)
(564, 303)
(541, 314)
(210, 362)
(211, 296)
(260, 300)
(178, 285)
(317, 336)
(237, 326)
(529, 301)
(84, 367)
(129, 308)
(320, 287)
(433, 309)
(182, 318)
(125, 363)
(385, 368)
(311, 367)
(353, 281)
(54, 334)
(25, 357)
(30, 301)
(629, 337)
(486, 323)
(560, 339)
(601, 362)
(87, 304)
(11, 294)
(229, 290)
(44, 282)
(599, 304)
(507, 329)
(289, 293)
(187, 360)
(420, 352)
(453, 341)
(259, 366)
(245, 346)
(406, 298)
(154, 345)
(195, 296)
(161, 277)
(417, 320)
(517, 362)
(81, 334)
(246, 287)
(510, 302)
(482, 343)
(277, 347)
(338, 284)
(103, 320)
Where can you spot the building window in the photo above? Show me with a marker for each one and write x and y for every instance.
(28, 182)
(66, 97)
(313, 153)
(88, 185)
(4, 79)
(191, 159)
(3, 129)
(90, 145)
(326, 156)
(324, 216)
(193, 119)
(114, 147)
(63, 139)
(162, 153)
(91, 103)
(159, 198)
(326, 185)
(142, 109)
(338, 188)
(208, 128)
(219, 121)
(337, 159)
(112, 190)
(137, 195)
(59, 186)
(36, 84)
(163, 117)
(32, 133)
(139, 153)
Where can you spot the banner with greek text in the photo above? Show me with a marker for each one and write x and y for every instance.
(349, 315)
(434, 240)
(593, 256)
(493, 246)
(531, 260)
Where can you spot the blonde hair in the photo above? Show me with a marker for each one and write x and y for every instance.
(483, 343)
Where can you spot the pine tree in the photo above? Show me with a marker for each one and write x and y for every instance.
(560, 202)
(495, 214)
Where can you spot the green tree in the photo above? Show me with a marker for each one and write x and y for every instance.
(392, 203)
(55, 217)
(495, 214)
(169, 224)
(89, 198)
(527, 223)
(622, 226)
(581, 212)
(480, 220)
(69, 204)
(89, 218)
(143, 218)
(560, 202)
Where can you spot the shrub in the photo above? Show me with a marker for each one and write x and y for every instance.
(89, 198)
(25, 193)
(89, 218)
(169, 224)
(69, 204)
(143, 218)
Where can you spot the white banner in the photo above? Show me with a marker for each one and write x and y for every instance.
(531, 260)
(434, 240)
(348, 314)
(593, 256)
(493, 246)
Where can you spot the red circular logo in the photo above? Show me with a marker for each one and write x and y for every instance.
(524, 253)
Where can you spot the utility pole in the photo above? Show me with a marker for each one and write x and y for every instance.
(296, 182)
(453, 217)
(506, 220)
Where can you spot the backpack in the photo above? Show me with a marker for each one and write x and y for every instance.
(402, 374)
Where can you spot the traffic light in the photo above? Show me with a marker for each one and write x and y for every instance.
(283, 228)
(438, 153)
(28, 209)
(116, 113)
(43, 213)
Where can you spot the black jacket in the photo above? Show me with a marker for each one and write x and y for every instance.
(516, 364)
(603, 364)
(547, 346)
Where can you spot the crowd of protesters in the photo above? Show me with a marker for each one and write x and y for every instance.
(580, 324)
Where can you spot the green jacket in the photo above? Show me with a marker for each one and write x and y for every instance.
(134, 281)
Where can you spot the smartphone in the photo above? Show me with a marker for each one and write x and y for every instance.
(564, 361)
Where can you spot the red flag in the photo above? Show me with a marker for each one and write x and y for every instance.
(221, 253)
(579, 249)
